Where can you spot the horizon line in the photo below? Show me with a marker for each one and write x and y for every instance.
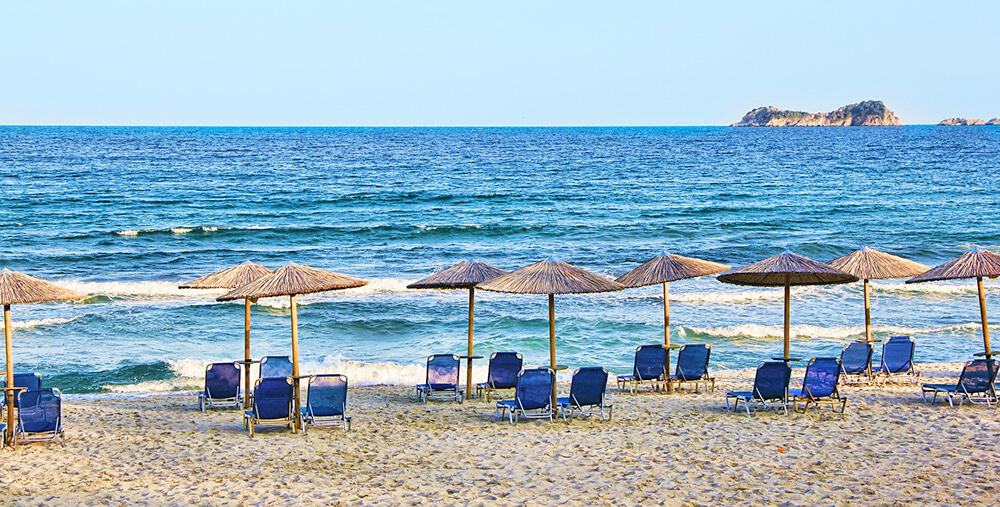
(388, 126)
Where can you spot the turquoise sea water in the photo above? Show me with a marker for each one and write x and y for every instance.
(126, 213)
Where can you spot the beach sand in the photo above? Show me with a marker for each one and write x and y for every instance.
(680, 449)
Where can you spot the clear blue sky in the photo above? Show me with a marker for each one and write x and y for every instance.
(471, 62)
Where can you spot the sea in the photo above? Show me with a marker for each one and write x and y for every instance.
(125, 214)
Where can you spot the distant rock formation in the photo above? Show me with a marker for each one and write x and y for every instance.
(994, 121)
(869, 113)
(963, 122)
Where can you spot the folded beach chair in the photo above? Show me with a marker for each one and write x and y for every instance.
(3, 435)
(897, 359)
(502, 373)
(586, 394)
(977, 379)
(819, 386)
(28, 380)
(856, 363)
(275, 366)
(770, 389)
(648, 368)
(39, 415)
(442, 378)
(692, 366)
(532, 396)
(326, 401)
(272, 401)
(222, 386)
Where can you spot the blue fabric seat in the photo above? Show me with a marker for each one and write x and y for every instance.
(222, 387)
(587, 392)
(272, 401)
(326, 401)
(39, 415)
(502, 374)
(819, 385)
(275, 366)
(856, 363)
(977, 378)
(692, 366)
(649, 367)
(443, 372)
(770, 389)
(532, 396)
(29, 380)
(897, 359)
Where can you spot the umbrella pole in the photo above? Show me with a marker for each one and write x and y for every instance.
(552, 343)
(788, 327)
(468, 369)
(868, 313)
(246, 353)
(8, 333)
(666, 335)
(295, 364)
(982, 313)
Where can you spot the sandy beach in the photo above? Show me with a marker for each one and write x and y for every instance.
(684, 449)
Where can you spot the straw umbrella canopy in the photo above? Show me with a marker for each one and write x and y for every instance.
(663, 269)
(464, 275)
(19, 289)
(551, 277)
(870, 264)
(976, 263)
(292, 280)
(786, 270)
(231, 278)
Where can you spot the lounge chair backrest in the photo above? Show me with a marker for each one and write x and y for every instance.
(442, 370)
(40, 409)
(275, 366)
(649, 361)
(589, 385)
(856, 357)
(503, 369)
(897, 354)
(692, 361)
(29, 380)
(534, 388)
(327, 395)
(222, 380)
(272, 397)
(771, 381)
(978, 375)
(822, 375)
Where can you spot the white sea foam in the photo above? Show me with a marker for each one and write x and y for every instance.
(181, 230)
(139, 289)
(757, 331)
(29, 324)
(128, 233)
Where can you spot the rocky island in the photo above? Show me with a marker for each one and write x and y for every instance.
(961, 122)
(863, 114)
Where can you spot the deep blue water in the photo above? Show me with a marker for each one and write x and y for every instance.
(127, 213)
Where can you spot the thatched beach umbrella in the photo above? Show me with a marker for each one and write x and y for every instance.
(870, 264)
(786, 270)
(551, 277)
(292, 280)
(232, 278)
(18, 289)
(663, 269)
(976, 263)
(464, 275)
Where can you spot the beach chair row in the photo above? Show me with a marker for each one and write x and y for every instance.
(39, 411)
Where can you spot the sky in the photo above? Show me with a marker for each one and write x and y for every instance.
(469, 62)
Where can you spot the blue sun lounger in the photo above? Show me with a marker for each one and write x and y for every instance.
(977, 379)
(222, 387)
(692, 366)
(586, 394)
(29, 380)
(443, 371)
(272, 401)
(856, 363)
(532, 396)
(326, 401)
(770, 389)
(275, 366)
(819, 386)
(502, 374)
(39, 416)
(647, 368)
(897, 359)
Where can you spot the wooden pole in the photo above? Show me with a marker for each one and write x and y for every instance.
(468, 369)
(982, 313)
(868, 313)
(788, 326)
(246, 353)
(666, 335)
(8, 332)
(552, 342)
(295, 363)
